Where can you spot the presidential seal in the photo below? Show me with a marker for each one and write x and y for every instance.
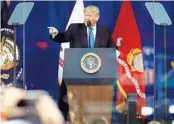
(7, 54)
(90, 63)
(7, 57)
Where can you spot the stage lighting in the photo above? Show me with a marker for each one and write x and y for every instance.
(171, 109)
(146, 110)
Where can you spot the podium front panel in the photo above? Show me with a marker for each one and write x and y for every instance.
(74, 74)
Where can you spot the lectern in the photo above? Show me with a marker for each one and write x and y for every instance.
(90, 74)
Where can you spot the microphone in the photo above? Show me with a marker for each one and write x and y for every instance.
(89, 26)
(89, 23)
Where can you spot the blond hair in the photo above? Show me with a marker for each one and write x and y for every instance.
(92, 8)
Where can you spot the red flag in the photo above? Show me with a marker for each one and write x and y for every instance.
(130, 61)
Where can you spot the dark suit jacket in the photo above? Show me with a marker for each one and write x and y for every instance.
(77, 36)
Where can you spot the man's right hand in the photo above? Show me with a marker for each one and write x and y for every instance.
(53, 31)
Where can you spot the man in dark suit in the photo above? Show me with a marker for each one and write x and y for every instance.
(78, 34)
(78, 37)
(82, 35)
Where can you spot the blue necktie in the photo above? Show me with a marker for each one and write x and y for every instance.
(91, 37)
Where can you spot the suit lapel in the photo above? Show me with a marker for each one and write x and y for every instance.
(97, 37)
(84, 39)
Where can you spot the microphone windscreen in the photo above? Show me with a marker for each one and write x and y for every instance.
(89, 23)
